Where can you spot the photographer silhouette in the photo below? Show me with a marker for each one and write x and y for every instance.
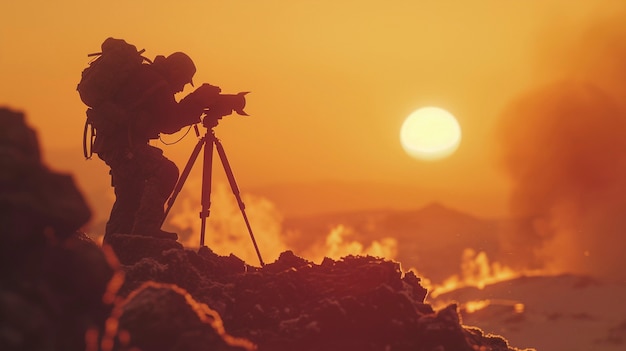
(141, 109)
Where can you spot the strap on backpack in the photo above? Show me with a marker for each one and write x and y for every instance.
(140, 52)
(89, 134)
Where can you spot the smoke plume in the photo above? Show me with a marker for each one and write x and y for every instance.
(564, 148)
(226, 232)
(341, 242)
(225, 228)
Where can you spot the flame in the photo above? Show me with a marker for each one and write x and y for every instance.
(477, 305)
(473, 306)
(477, 271)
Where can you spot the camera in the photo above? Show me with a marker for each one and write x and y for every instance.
(224, 105)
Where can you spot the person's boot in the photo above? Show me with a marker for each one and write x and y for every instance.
(153, 231)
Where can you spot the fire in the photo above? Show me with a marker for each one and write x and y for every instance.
(477, 305)
(473, 306)
(476, 271)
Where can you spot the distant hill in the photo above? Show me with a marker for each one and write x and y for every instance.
(297, 199)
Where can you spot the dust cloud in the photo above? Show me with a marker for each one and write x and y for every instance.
(225, 230)
(227, 233)
(564, 147)
(341, 242)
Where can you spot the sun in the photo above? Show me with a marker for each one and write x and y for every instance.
(430, 133)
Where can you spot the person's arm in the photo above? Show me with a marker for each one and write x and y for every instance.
(189, 109)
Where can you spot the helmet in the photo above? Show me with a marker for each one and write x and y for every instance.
(180, 66)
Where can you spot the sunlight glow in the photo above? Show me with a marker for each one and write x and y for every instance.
(430, 133)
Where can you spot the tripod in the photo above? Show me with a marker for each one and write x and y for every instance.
(208, 141)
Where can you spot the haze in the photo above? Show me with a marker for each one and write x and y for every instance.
(331, 83)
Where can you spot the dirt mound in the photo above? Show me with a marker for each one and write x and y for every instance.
(356, 303)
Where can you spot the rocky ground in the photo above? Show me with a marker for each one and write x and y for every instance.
(179, 299)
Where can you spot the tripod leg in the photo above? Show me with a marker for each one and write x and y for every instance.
(233, 185)
(206, 185)
(184, 175)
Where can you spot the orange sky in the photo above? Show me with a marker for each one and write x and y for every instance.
(331, 83)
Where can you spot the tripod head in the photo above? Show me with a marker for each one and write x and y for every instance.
(224, 105)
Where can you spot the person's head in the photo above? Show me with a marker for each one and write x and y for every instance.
(178, 69)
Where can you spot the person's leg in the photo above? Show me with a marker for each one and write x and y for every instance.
(161, 177)
(128, 192)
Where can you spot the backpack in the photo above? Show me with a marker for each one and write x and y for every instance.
(99, 83)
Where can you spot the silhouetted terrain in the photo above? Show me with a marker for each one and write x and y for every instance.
(356, 303)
